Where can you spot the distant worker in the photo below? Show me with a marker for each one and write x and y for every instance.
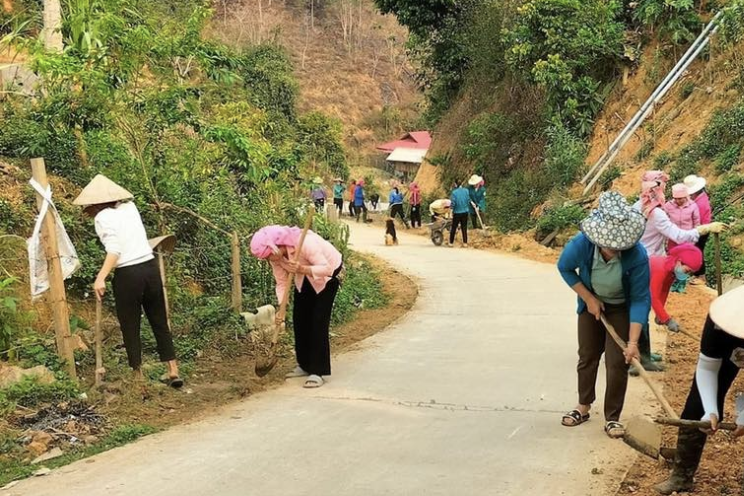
(440, 209)
(608, 269)
(338, 195)
(477, 190)
(683, 260)
(137, 282)
(352, 192)
(696, 188)
(396, 205)
(318, 274)
(720, 360)
(359, 207)
(374, 200)
(318, 194)
(682, 211)
(414, 199)
(460, 199)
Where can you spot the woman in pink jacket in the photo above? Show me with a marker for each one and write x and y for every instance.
(317, 280)
(682, 211)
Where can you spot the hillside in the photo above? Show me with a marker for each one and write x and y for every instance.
(349, 60)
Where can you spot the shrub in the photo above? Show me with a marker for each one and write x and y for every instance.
(608, 176)
(29, 393)
(321, 139)
(519, 194)
(559, 218)
(728, 159)
(564, 155)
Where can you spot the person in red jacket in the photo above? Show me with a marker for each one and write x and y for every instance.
(683, 261)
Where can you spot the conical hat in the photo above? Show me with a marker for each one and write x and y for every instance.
(727, 311)
(165, 243)
(101, 190)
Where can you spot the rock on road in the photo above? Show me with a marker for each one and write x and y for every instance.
(462, 396)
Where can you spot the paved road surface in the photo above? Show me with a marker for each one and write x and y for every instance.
(462, 396)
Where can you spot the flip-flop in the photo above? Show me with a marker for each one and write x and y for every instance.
(575, 417)
(313, 381)
(614, 429)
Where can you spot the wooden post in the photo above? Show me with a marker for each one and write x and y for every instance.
(56, 296)
(237, 285)
(161, 263)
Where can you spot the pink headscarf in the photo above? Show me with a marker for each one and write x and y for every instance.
(688, 254)
(268, 240)
(652, 191)
(413, 186)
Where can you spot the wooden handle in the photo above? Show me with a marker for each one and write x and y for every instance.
(719, 277)
(697, 424)
(99, 344)
(290, 276)
(651, 384)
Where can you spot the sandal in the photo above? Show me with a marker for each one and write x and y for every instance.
(297, 372)
(174, 382)
(574, 418)
(313, 381)
(614, 429)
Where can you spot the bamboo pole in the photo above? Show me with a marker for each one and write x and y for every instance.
(237, 285)
(161, 264)
(100, 371)
(56, 296)
(719, 276)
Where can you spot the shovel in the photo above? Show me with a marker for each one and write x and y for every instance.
(264, 364)
(100, 371)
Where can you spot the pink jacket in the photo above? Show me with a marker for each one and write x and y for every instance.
(685, 217)
(322, 257)
(703, 203)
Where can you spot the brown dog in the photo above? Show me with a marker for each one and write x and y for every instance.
(391, 237)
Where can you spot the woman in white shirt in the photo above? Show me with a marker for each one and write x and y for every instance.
(136, 284)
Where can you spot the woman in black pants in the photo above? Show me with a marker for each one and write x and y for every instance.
(721, 358)
(137, 284)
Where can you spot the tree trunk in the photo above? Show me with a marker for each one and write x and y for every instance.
(52, 34)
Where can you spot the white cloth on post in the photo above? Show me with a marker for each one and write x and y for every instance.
(37, 259)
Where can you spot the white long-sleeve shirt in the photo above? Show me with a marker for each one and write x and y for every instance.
(659, 229)
(122, 233)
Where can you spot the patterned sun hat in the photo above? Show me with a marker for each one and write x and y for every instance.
(614, 225)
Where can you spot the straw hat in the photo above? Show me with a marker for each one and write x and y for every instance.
(614, 225)
(694, 183)
(680, 191)
(165, 243)
(475, 180)
(338, 180)
(101, 190)
(317, 180)
(727, 311)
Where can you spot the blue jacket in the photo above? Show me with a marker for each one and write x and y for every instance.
(359, 196)
(477, 196)
(579, 255)
(460, 201)
(395, 199)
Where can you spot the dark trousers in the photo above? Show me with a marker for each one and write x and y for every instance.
(593, 342)
(416, 215)
(476, 222)
(691, 442)
(359, 210)
(644, 342)
(312, 321)
(139, 287)
(339, 204)
(462, 221)
(701, 244)
(351, 208)
(319, 203)
(398, 210)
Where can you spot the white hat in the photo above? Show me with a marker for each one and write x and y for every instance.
(475, 180)
(101, 190)
(727, 311)
(694, 183)
(318, 180)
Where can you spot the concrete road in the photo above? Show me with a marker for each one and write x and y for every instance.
(462, 396)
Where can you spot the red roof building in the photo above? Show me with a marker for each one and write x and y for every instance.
(419, 140)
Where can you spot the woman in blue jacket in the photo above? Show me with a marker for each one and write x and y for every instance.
(608, 269)
(359, 206)
(396, 205)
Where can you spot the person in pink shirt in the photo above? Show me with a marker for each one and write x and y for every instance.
(696, 188)
(682, 211)
(317, 278)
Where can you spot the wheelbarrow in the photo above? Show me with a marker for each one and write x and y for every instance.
(438, 228)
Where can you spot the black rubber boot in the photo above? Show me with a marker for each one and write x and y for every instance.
(690, 444)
